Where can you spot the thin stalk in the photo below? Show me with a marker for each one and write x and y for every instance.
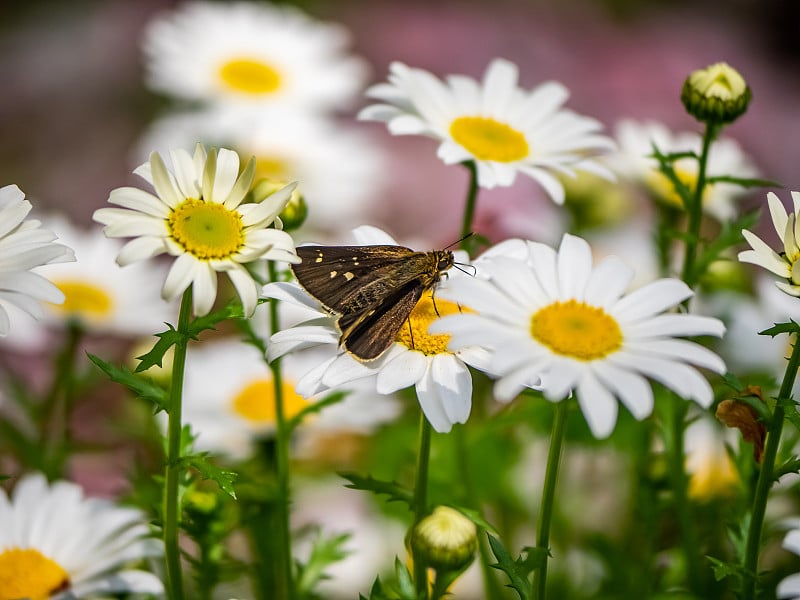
(548, 496)
(765, 477)
(696, 209)
(421, 498)
(172, 551)
(677, 471)
(469, 206)
(281, 454)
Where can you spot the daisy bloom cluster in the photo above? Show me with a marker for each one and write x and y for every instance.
(788, 230)
(24, 245)
(441, 377)
(556, 320)
(56, 543)
(198, 215)
(501, 127)
(103, 296)
(252, 56)
(634, 161)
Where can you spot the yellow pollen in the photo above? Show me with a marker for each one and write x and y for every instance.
(30, 574)
(414, 332)
(206, 229)
(272, 167)
(83, 298)
(577, 330)
(487, 139)
(250, 76)
(256, 402)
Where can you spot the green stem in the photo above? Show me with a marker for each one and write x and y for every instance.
(696, 209)
(469, 206)
(677, 471)
(491, 588)
(172, 551)
(421, 498)
(54, 423)
(548, 496)
(765, 477)
(281, 455)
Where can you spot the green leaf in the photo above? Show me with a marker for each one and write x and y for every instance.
(232, 310)
(519, 570)
(405, 583)
(324, 552)
(732, 381)
(744, 182)
(778, 328)
(155, 357)
(724, 569)
(138, 385)
(790, 466)
(311, 409)
(209, 470)
(394, 490)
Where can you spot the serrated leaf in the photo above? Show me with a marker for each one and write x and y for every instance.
(311, 409)
(790, 466)
(324, 552)
(208, 470)
(405, 583)
(778, 328)
(155, 357)
(732, 381)
(394, 490)
(724, 569)
(517, 571)
(232, 310)
(138, 385)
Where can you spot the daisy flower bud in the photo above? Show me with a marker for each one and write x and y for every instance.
(445, 540)
(294, 213)
(716, 94)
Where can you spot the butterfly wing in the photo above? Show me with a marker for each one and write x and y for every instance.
(351, 278)
(368, 333)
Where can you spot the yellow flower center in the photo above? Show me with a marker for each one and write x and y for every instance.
(272, 167)
(663, 188)
(29, 574)
(414, 332)
(712, 476)
(577, 330)
(81, 297)
(487, 139)
(255, 402)
(250, 76)
(206, 229)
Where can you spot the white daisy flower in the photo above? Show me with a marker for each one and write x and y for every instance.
(557, 318)
(441, 378)
(24, 244)
(501, 127)
(229, 399)
(197, 215)
(789, 587)
(103, 296)
(726, 157)
(712, 473)
(338, 170)
(252, 56)
(788, 229)
(56, 543)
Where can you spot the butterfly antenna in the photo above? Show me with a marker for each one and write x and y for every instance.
(463, 268)
(459, 241)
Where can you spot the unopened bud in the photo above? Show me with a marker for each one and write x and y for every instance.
(294, 213)
(445, 540)
(716, 94)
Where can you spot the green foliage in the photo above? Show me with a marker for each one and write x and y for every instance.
(402, 588)
(728, 237)
(314, 408)
(325, 551)
(208, 470)
(394, 490)
(518, 570)
(779, 328)
(139, 386)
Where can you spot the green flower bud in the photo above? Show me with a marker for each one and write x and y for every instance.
(716, 94)
(296, 210)
(445, 540)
